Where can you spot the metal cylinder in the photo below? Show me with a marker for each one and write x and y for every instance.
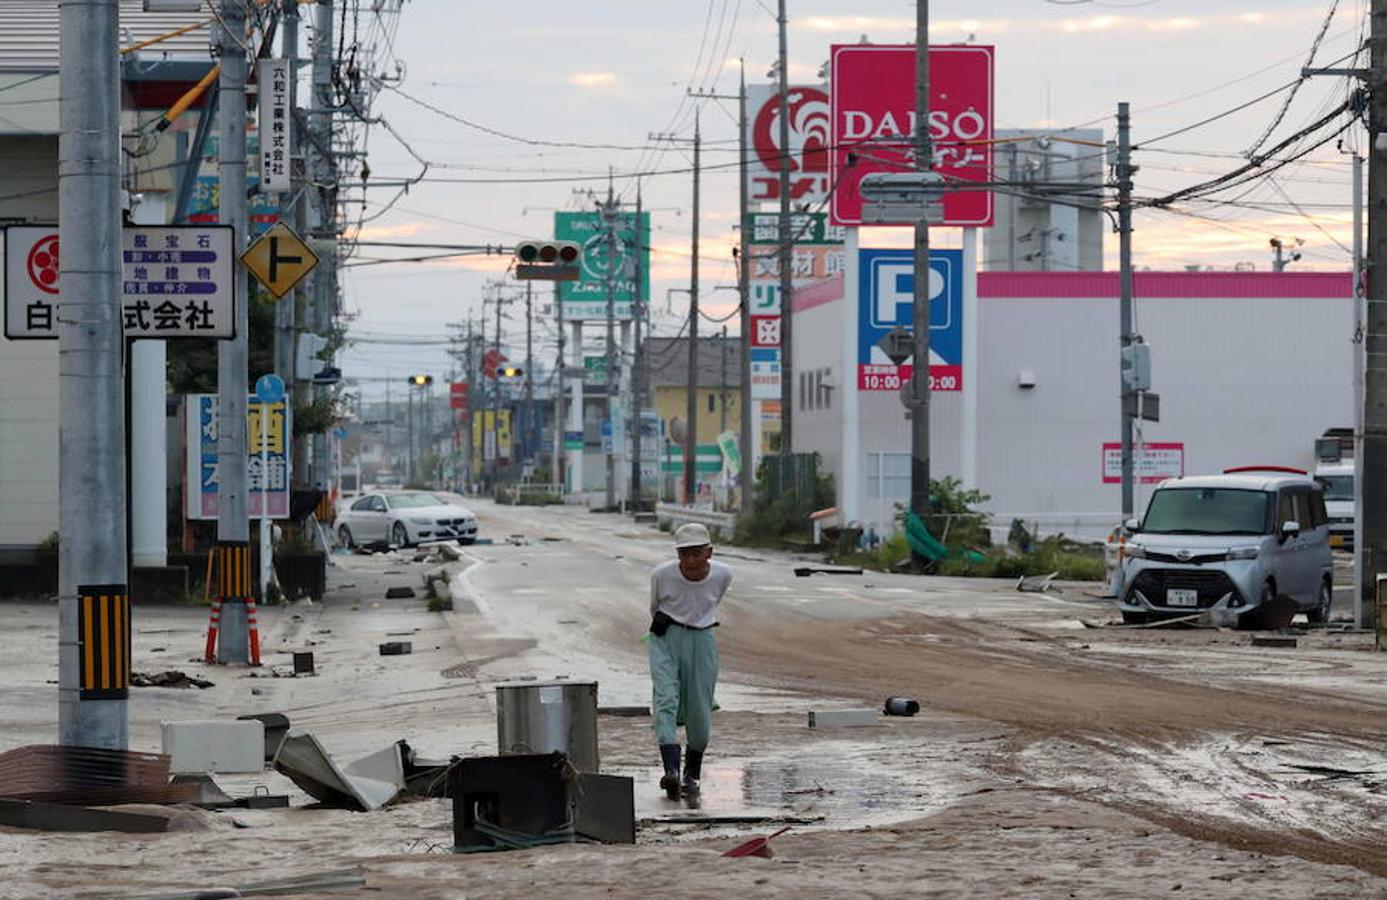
(559, 716)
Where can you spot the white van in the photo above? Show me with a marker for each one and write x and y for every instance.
(1229, 544)
(1337, 478)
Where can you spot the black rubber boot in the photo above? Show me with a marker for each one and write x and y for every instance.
(669, 782)
(693, 770)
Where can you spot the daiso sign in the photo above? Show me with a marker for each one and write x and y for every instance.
(872, 119)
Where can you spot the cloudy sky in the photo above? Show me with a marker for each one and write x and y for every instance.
(615, 72)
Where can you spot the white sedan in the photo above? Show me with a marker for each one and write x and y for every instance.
(404, 519)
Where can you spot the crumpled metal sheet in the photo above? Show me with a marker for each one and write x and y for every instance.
(366, 784)
(91, 776)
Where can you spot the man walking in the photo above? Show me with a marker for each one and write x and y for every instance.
(684, 595)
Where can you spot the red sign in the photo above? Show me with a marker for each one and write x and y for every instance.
(808, 132)
(457, 395)
(765, 331)
(873, 119)
(492, 359)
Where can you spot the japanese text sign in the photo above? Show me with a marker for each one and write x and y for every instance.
(177, 282)
(275, 130)
(873, 120)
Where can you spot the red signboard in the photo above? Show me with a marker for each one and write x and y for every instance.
(457, 395)
(872, 119)
(765, 331)
(808, 134)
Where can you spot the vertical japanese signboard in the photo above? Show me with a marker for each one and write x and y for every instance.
(268, 428)
(817, 254)
(586, 298)
(177, 282)
(873, 120)
(275, 150)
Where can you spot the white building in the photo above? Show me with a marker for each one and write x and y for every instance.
(1250, 367)
(152, 77)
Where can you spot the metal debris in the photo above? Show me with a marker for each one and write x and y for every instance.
(88, 775)
(170, 679)
(62, 817)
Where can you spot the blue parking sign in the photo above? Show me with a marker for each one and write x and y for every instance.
(885, 300)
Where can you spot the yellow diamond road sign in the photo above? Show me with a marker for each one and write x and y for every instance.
(279, 259)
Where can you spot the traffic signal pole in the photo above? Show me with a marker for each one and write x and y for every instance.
(919, 383)
(93, 603)
(233, 522)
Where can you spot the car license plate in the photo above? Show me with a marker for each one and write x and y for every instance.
(1181, 597)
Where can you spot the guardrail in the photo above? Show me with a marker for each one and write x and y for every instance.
(675, 515)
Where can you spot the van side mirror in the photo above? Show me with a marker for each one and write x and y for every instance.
(1131, 524)
(1290, 529)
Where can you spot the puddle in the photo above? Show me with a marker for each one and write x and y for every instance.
(848, 784)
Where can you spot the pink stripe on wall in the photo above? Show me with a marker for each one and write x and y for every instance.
(818, 293)
(1252, 285)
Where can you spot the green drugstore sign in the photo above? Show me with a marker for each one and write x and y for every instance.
(586, 298)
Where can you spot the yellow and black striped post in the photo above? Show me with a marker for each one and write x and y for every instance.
(227, 634)
(103, 641)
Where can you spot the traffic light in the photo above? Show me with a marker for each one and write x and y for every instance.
(547, 260)
(420, 380)
(564, 252)
(510, 372)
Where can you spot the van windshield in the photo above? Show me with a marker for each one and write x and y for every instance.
(1337, 487)
(1208, 511)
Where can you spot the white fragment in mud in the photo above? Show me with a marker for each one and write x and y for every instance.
(843, 718)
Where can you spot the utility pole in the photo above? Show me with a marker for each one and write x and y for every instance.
(1280, 256)
(609, 219)
(409, 420)
(91, 382)
(1373, 511)
(1126, 396)
(787, 249)
(743, 255)
(1359, 277)
(747, 477)
(233, 523)
(325, 180)
(722, 382)
(691, 409)
(637, 359)
(494, 469)
(529, 373)
(285, 307)
(559, 425)
(919, 385)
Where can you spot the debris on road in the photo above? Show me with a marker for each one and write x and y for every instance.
(901, 706)
(205, 746)
(843, 718)
(402, 592)
(62, 817)
(276, 727)
(518, 540)
(709, 820)
(806, 571)
(303, 662)
(530, 800)
(760, 846)
(173, 678)
(366, 784)
(625, 712)
(396, 648)
(91, 776)
(1035, 584)
(1274, 640)
(302, 884)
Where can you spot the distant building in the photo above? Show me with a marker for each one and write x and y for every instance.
(719, 383)
(1035, 234)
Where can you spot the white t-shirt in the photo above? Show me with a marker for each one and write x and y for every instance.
(690, 603)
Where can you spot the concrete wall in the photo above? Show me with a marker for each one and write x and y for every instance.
(1250, 367)
(28, 369)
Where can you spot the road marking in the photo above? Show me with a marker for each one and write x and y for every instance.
(779, 588)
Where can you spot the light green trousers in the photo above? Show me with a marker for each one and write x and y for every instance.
(684, 675)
